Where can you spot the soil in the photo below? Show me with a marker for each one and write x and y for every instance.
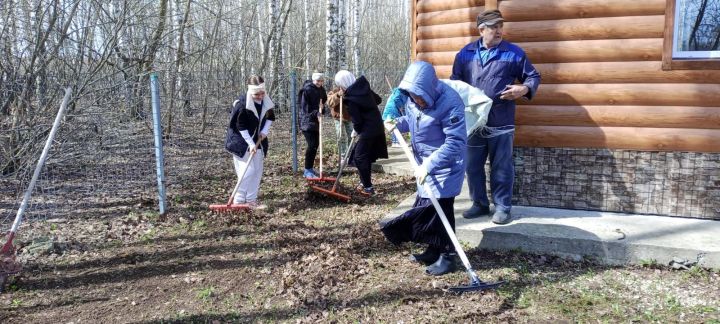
(306, 259)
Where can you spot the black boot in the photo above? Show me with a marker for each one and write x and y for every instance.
(430, 255)
(444, 264)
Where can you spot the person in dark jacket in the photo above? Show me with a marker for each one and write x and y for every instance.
(250, 121)
(493, 65)
(435, 118)
(311, 97)
(362, 105)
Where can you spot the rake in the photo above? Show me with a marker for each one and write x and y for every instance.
(475, 283)
(322, 178)
(333, 193)
(230, 207)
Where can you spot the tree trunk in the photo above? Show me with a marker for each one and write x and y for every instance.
(331, 37)
(356, 36)
(308, 48)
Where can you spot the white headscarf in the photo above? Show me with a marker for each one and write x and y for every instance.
(344, 79)
(267, 103)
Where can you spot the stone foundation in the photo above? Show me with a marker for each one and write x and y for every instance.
(663, 183)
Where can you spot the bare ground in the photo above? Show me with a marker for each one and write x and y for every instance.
(308, 259)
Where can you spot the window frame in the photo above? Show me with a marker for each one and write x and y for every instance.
(670, 63)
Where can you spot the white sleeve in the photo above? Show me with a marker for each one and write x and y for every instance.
(248, 138)
(266, 128)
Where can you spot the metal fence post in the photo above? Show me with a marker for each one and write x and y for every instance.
(157, 130)
(293, 109)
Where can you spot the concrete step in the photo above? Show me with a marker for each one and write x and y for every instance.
(609, 238)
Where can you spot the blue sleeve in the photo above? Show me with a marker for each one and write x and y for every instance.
(453, 126)
(530, 77)
(401, 124)
(395, 102)
(457, 69)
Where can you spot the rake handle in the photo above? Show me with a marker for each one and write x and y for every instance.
(436, 204)
(344, 161)
(242, 175)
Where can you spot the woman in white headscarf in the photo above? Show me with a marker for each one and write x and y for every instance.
(250, 122)
(362, 103)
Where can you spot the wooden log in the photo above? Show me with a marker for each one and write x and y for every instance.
(567, 9)
(558, 30)
(643, 49)
(611, 72)
(424, 6)
(443, 44)
(449, 16)
(621, 72)
(627, 94)
(620, 116)
(630, 138)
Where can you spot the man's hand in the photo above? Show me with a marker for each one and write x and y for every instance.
(421, 174)
(514, 91)
(389, 125)
(252, 149)
(353, 134)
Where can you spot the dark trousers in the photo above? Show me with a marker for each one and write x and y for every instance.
(313, 141)
(362, 158)
(422, 224)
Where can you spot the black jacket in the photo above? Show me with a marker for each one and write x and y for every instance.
(309, 98)
(243, 119)
(362, 104)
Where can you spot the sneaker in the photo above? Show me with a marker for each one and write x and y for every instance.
(501, 218)
(476, 211)
(444, 264)
(310, 174)
(395, 145)
(367, 192)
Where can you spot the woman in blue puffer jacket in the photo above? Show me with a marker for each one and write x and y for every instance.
(435, 118)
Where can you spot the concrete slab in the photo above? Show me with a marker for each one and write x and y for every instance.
(610, 238)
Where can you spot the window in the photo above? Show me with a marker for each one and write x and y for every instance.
(692, 34)
(697, 29)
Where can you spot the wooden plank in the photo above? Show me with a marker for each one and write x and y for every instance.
(621, 72)
(611, 72)
(668, 33)
(620, 116)
(441, 5)
(556, 30)
(566, 9)
(629, 138)
(614, 50)
(449, 16)
(627, 94)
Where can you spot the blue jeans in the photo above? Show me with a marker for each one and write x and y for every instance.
(343, 129)
(502, 170)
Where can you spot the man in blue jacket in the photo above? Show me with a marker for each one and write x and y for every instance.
(434, 115)
(493, 65)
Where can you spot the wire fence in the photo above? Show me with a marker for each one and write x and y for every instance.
(103, 161)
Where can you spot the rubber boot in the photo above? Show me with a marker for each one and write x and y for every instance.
(444, 264)
(428, 257)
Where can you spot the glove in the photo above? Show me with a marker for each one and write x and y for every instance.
(421, 174)
(389, 125)
(354, 134)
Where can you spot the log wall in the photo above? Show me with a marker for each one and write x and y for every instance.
(603, 85)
